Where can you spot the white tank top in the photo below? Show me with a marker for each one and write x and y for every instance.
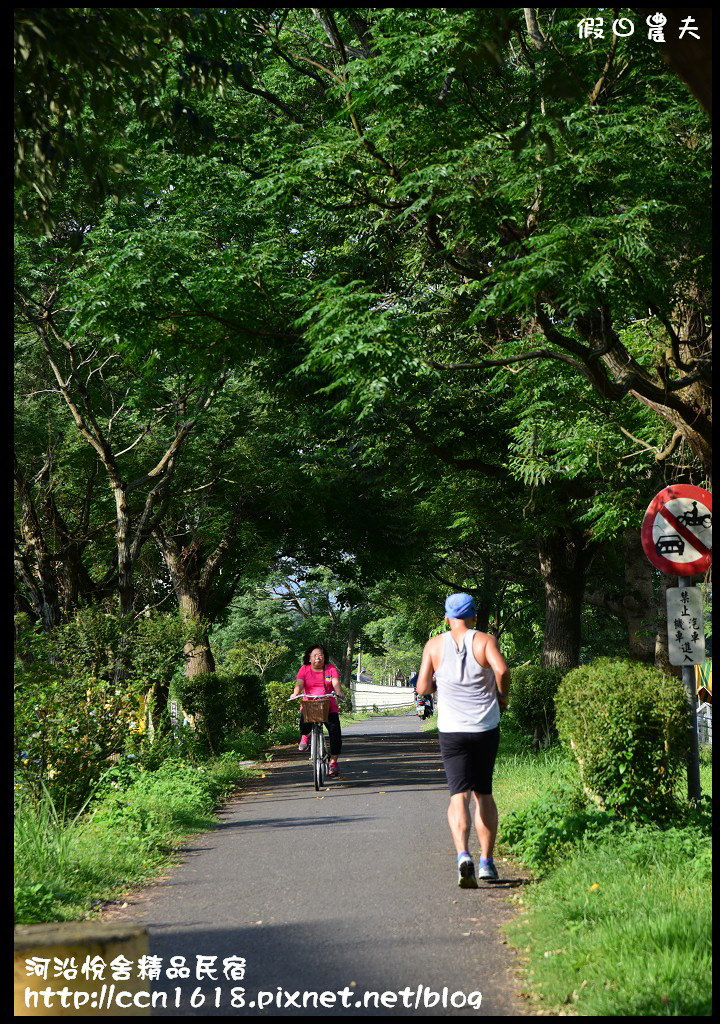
(467, 695)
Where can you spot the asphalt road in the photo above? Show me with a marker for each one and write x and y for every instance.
(352, 889)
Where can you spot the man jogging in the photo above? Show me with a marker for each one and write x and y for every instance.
(471, 678)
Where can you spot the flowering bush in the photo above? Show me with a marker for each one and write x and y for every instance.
(66, 727)
(78, 696)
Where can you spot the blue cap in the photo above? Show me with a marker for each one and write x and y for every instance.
(460, 606)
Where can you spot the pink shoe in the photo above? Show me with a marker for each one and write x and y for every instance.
(303, 745)
(333, 771)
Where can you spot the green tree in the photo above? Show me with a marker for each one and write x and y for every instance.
(452, 265)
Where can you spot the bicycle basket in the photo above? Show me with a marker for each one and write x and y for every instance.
(316, 710)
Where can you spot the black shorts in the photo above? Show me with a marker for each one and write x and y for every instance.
(469, 759)
(333, 727)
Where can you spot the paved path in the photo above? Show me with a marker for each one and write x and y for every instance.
(354, 887)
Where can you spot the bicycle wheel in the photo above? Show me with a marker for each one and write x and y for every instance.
(317, 752)
(324, 758)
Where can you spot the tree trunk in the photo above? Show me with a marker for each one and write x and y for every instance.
(198, 655)
(562, 555)
(156, 701)
(184, 566)
(483, 605)
(346, 669)
(36, 566)
(639, 604)
(122, 540)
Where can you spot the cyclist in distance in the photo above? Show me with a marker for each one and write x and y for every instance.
(317, 676)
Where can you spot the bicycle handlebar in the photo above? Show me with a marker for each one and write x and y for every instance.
(311, 696)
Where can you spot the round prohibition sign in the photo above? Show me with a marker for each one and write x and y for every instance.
(677, 530)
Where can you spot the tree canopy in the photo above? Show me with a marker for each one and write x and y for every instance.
(377, 303)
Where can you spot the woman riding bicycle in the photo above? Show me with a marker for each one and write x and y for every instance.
(318, 676)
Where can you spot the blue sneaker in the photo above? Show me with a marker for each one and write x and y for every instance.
(487, 870)
(466, 873)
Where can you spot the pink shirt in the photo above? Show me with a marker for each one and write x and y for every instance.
(316, 683)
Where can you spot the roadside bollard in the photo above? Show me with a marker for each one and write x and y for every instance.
(48, 955)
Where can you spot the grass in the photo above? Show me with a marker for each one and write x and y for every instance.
(706, 769)
(622, 929)
(64, 867)
(619, 924)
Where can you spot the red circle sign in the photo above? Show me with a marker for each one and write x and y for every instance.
(677, 530)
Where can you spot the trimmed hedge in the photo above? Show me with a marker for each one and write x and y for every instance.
(281, 715)
(223, 704)
(628, 727)
(249, 704)
(532, 701)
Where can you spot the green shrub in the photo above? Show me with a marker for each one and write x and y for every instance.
(203, 697)
(78, 695)
(247, 703)
(532, 701)
(246, 744)
(282, 716)
(287, 733)
(66, 728)
(627, 725)
(121, 777)
(222, 704)
(149, 752)
(176, 792)
(551, 828)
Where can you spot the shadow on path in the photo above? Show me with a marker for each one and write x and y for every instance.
(389, 761)
(292, 966)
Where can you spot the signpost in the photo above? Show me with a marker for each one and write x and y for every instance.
(686, 628)
(677, 538)
(677, 530)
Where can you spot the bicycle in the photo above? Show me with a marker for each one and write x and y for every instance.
(315, 712)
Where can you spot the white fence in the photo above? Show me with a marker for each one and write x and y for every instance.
(368, 695)
(704, 723)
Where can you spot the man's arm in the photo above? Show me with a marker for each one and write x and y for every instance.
(498, 665)
(425, 682)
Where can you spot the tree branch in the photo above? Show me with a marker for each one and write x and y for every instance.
(143, 433)
(215, 559)
(543, 353)
(447, 456)
(327, 21)
(600, 84)
(431, 230)
(533, 27)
